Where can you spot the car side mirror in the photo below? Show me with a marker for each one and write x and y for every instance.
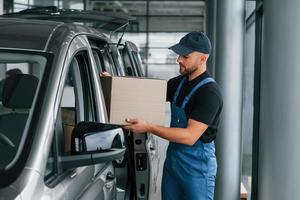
(93, 136)
(94, 143)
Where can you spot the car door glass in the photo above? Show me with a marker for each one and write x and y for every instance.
(71, 104)
(116, 59)
(107, 54)
(107, 62)
(64, 125)
(76, 105)
(129, 66)
(138, 63)
(50, 167)
(99, 61)
(107, 58)
(20, 74)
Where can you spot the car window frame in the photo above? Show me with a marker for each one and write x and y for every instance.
(58, 173)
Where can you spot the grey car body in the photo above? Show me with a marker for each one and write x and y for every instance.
(41, 166)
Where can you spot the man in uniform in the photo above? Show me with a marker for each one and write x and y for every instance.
(196, 103)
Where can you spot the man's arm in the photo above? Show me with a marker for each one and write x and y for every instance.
(186, 136)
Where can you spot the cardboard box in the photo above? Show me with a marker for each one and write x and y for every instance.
(68, 121)
(141, 98)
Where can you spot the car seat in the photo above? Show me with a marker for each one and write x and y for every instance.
(18, 94)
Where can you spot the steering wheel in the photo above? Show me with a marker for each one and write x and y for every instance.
(5, 140)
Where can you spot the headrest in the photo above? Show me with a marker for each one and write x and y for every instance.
(19, 90)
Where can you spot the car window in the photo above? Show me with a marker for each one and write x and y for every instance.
(76, 105)
(20, 74)
(99, 61)
(107, 54)
(116, 58)
(102, 61)
(138, 63)
(50, 167)
(107, 57)
(129, 65)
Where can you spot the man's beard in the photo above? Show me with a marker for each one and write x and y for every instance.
(183, 71)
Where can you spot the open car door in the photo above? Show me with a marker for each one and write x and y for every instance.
(146, 145)
(132, 62)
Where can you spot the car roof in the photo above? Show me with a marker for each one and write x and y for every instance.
(37, 34)
(25, 34)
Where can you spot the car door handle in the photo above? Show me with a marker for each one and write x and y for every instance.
(152, 149)
(73, 175)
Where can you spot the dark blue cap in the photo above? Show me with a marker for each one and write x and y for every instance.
(193, 41)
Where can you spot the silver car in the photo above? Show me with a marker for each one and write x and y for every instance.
(55, 142)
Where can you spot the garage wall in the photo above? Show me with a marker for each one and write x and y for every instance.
(1, 7)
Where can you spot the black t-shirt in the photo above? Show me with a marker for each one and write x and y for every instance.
(204, 106)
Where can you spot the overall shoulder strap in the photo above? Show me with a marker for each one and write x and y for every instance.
(178, 90)
(203, 82)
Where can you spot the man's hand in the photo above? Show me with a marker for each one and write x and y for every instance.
(188, 135)
(136, 125)
(104, 74)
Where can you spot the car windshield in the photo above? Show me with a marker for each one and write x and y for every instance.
(20, 72)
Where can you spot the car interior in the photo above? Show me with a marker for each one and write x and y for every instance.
(17, 90)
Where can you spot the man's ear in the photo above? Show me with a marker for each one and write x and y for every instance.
(203, 58)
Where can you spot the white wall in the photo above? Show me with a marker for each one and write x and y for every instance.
(1, 7)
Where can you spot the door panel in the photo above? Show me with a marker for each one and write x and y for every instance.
(77, 181)
(103, 186)
(155, 165)
(142, 166)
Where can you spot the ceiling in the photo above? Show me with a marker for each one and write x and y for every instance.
(163, 16)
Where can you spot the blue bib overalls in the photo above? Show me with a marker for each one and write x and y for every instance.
(189, 171)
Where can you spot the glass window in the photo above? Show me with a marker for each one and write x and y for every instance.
(110, 61)
(129, 66)
(76, 105)
(66, 121)
(20, 74)
(116, 60)
(106, 61)
(138, 63)
(50, 167)
(99, 61)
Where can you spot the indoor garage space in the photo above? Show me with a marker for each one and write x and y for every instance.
(149, 99)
